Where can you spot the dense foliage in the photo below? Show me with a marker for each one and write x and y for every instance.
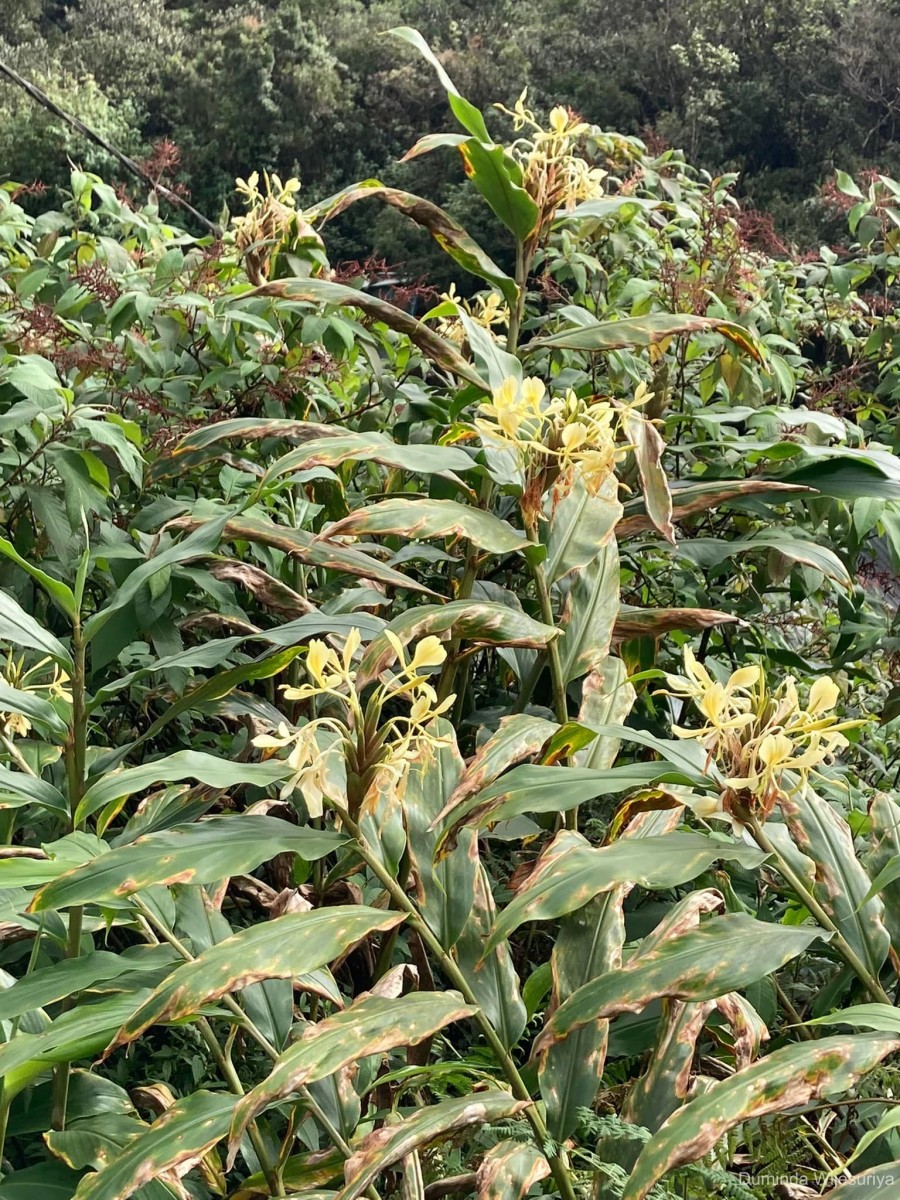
(208, 90)
(438, 755)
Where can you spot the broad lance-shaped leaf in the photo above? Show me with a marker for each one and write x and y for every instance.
(648, 449)
(93, 1142)
(490, 974)
(60, 593)
(785, 1079)
(445, 890)
(79, 1033)
(588, 945)
(72, 975)
(519, 736)
(17, 788)
(884, 816)
(204, 852)
(498, 177)
(664, 1085)
(347, 446)
(322, 291)
(471, 620)
(709, 552)
(449, 234)
(183, 764)
(589, 613)
(307, 548)
(871, 1184)
(841, 883)
(571, 872)
(702, 964)
(633, 622)
(607, 697)
(423, 519)
(184, 1133)
(21, 629)
(283, 948)
(36, 708)
(690, 498)
(641, 331)
(529, 789)
(465, 112)
(578, 526)
(371, 1025)
(388, 1145)
(510, 1170)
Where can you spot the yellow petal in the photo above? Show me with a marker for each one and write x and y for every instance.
(428, 653)
(823, 695)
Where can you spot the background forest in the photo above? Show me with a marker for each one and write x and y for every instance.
(781, 91)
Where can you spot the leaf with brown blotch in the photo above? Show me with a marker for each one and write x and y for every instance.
(884, 839)
(654, 622)
(607, 697)
(184, 1134)
(691, 498)
(510, 1170)
(648, 449)
(371, 1025)
(841, 883)
(579, 525)
(322, 291)
(702, 964)
(307, 548)
(425, 519)
(483, 621)
(664, 1085)
(285, 948)
(271, 593)
(518, 737)
(786, 1079)
(449, 234)
(571, 872)
(602, 336)
(420, 458)
(384, 1147)
(589, 613)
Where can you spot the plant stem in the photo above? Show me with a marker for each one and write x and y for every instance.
(515, 314)
(76, 757)
(843, 947)
(558, 1163)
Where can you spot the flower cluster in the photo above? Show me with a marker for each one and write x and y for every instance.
(765, 742)
(17, 676)
(369, 741)
(490, 311)
(553, 174)
(565, 433)
(272, 221)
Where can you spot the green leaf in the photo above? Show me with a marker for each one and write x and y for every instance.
(423, 519)
(601, 336)
(283, 948)
(93, 1142)
(183, 764)
(709, 552)
(786, 1079)
(371, 1025)
(528, 789)
(46, 1181)
(322, 291)
(589, 614)
(648, 449)
(189, 1129)
(498, 177)
(449, 234)
(467, 114)
(654, 622)
(691, 498)
(71, 975)
(18, 627)
(871, 1184)
(701, 964)
(580, 525)
(204, 852)
(571, 872)
(61, 595)
(841, 883)
(35, 707)
(347, 446)
(386, 1146)
(17, 788)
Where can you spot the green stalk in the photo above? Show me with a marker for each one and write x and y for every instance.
(840, 943)
(75, 758)
(558, 1162)
(516, 312)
